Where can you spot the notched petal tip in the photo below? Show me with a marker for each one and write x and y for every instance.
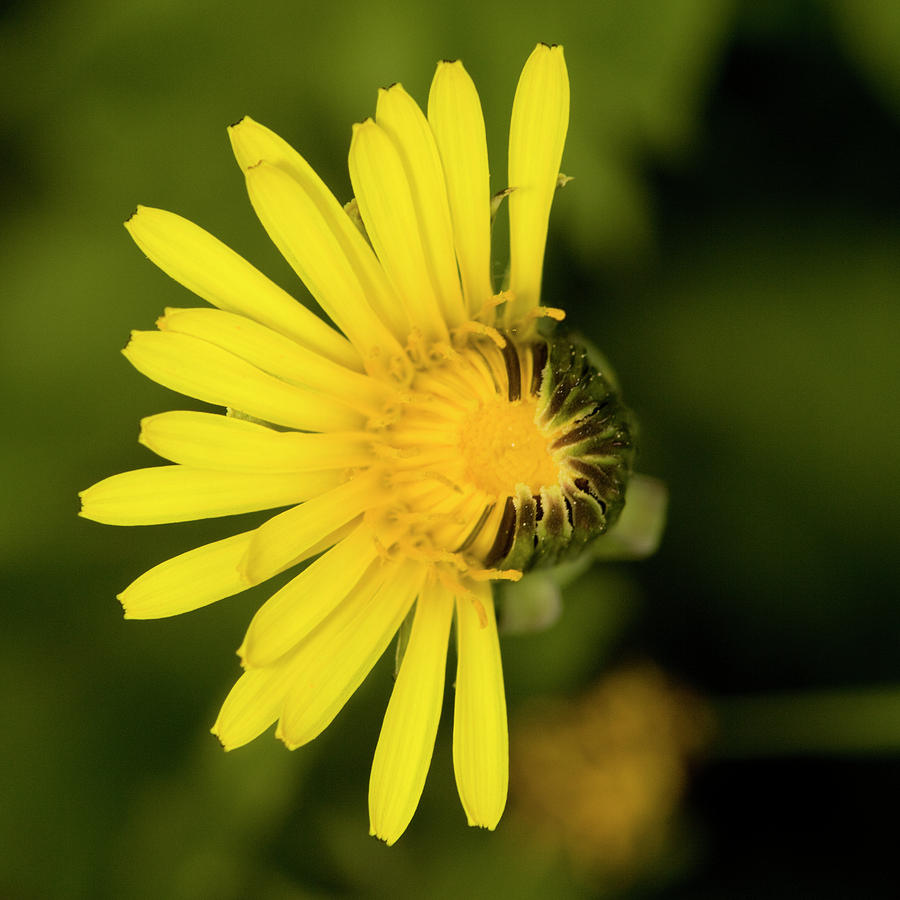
(387, 841)
(141, 214)
(244, 137)
(281, 736)
(145, 424)
(128, 351)
(245, 123)
(81, 509)
(214, 731)
(366, 124)
(248, 652)
(84, 498)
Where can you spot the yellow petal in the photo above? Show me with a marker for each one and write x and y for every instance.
(200, 577)
(211, 441)
(399, 115)
(480, 738)
(189, 581)
(334, 660)
(253, 143)
(300, 231)
(387, 209)
(291, 613)
(537, 133)
(257, 699)
(454, 113)
(284, 537)
(179, 494)
(198, 369)
(406, 742)
(280, 356)
(204, 265)
(252, 705)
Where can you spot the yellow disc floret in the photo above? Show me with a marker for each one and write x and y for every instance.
(501, 447)
(501, 454)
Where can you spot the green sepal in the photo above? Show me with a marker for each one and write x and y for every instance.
(639, 529)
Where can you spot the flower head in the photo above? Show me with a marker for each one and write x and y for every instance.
(432, 442)
(601, 776)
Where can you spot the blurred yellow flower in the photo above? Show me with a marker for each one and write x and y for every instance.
(421, 447)
(601, 776)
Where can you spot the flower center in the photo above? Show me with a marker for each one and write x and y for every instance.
(501, 456)
(501, 447)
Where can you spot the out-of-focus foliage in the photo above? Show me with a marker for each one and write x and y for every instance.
(730, 241)
(871, 31)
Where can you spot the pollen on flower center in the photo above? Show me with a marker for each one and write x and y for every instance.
(503, 455)
(502, 446)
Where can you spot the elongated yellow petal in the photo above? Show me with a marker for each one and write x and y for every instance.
(285, 536)
(406, 742)
(335, 659)
(399, 115)
(179, 494)
(200, 577)
(387, 209)
(253, 143)
(537, 133)
(212, 441)
(204, 265)
(480, 737)
(280, 356)
(199, 369)
(252, 705)
(257, 699)
(189, 581)
(291, 613)
(296, 226)
(454, 113)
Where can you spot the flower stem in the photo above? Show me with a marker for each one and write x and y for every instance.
(846, 721)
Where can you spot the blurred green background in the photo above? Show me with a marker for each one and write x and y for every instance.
(728, 712)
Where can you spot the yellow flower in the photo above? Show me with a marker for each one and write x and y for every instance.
(601, 776)
(431, 443)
